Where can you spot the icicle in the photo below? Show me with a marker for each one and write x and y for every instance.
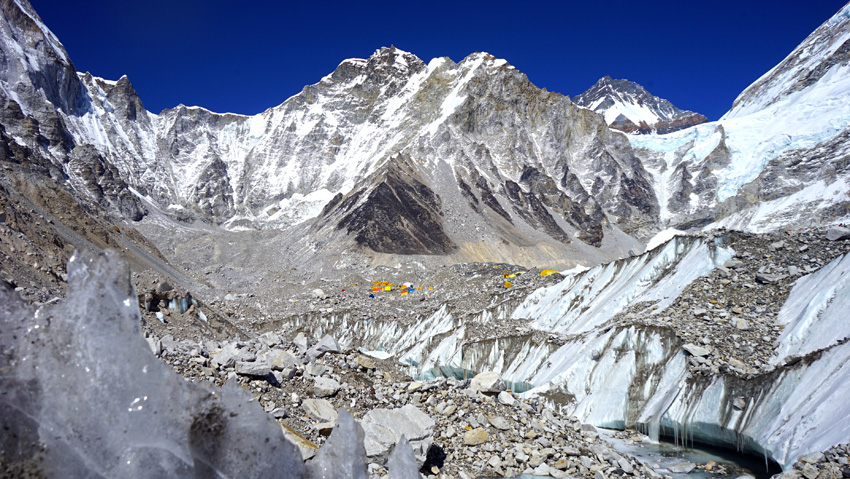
(766, 468)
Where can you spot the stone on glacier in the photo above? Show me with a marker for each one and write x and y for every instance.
(682, 468)
(230, 354)
(320, 409)
(695, 350)
(280, 360)
(837, 233)
(488, 382)
(254, 368)
(324, 387)
(302, 342)
(325, 345)
(90, 415)
(506, 398)
(343, 456)
(384, 428)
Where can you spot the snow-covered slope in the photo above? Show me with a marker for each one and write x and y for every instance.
(777, 159)
(628, 107)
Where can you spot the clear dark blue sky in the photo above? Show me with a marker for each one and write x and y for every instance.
(250, 55)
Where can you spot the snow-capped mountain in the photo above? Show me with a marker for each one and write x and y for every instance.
(395, 155)
(628, 107)
(399, 155)
(778, 158)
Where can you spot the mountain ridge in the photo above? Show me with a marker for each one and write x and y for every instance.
(495, 162)
(630, 108)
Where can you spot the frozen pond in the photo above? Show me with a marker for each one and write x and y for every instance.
(666, 456)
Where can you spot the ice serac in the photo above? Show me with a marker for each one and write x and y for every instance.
(629, 107)
(585, 301)
(637, 376)
(815, 314)
(74, 409)
(777, 159)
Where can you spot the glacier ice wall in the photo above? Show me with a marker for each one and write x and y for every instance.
(583, 302)
(815, 313)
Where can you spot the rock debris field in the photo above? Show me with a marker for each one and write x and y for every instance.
(474, 427)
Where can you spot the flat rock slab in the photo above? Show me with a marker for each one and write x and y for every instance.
(307, 448)
(255, 368)
(683, 468)
(384, 427)
(838, 233)
(475, 437)
(320, 409)
(325, 345)
(695, 350)
(498, 422)
(765, 278)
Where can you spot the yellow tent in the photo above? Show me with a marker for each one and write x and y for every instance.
(508, 284)
(547, 272)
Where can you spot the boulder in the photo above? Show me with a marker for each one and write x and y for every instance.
(364, 362)
(838, 233)
(498, 422)
(488, 382)
(325, 345)
(254, 368)
(301, 342)
(280, 360)
(230, 354)
(475, 437)
(384, 428)
(324, 387)
(765, 278)
(695, 350)
(682, 468)
(506, 398)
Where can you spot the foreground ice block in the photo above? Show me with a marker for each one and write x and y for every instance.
(82, 395)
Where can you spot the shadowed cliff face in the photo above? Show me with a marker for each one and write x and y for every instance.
(399, 215)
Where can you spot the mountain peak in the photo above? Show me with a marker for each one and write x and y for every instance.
(629, 107)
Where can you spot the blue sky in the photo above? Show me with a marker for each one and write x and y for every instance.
(247, 56)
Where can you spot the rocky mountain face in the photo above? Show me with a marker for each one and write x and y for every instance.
(386, 149)
(628, 107)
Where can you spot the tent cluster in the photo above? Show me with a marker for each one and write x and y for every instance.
(512, 275)
(385, 286)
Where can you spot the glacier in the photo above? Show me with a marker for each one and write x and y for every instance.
(612, 372)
